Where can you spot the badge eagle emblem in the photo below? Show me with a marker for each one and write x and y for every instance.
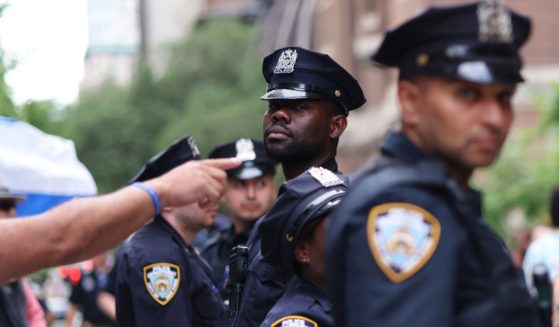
(162, 281)
(402, 238)
(245, 149)
(193, 146)
(294, 321)
(494, 22)
(286, 62)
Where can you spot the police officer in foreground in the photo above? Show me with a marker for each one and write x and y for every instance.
(161, 280)
(309, 97)
(250, 193)
(408, 244)
(297, 224)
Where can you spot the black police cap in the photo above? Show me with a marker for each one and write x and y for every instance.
(295, 73)
(255, 163)
(175, 155)
(477, 42)
(302, 200)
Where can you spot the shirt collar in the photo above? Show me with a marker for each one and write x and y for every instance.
(312, 290)
(398, 145)
(164, 224)
(331, 165)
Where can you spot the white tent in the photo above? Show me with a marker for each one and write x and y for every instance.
(41, 166)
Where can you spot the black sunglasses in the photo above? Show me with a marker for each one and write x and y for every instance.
(7, 205)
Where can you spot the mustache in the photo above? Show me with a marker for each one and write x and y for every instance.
(280, 127)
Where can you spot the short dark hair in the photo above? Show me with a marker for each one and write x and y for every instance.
(554, 207)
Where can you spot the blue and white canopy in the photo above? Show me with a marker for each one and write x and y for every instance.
(43, 167)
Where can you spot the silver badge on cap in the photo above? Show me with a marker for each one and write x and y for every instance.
(494, 22)
(245, 149)
(286, 62)
(325, 177)
(193, 146)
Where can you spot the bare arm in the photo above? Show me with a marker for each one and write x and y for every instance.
(81, 228)
(106, 302)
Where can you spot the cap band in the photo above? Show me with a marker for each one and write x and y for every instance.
(303, 91)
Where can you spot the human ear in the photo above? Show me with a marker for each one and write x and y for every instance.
(409, 98)
(302, 252)
(338, 123)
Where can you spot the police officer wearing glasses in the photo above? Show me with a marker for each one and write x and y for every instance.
(408, 245)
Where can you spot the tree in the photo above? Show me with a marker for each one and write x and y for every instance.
(210, 89)
(528, 168)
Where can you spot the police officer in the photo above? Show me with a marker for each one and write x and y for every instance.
(408, 244)
(300, 217)
(250, 193)
(309, 97)
(161, 280)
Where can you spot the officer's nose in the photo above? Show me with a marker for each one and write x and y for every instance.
(497, 115)
(281, 114)
(251, 192)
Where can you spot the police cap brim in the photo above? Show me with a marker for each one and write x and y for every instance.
(287, 94)
(245, 173)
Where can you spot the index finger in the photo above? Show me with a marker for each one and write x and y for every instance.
(223, 163)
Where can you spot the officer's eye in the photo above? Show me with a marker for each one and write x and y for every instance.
(301, 106)
(236, 184)
(261, 183)
(505, 98)
(469, 94)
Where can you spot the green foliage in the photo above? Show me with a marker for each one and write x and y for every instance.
(218, 85)
(528, 168)
(44, 115)
(210, 89)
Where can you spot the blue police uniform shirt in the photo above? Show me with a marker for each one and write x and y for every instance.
(419, 253)
(265, 282)
(216, 253)
(221, 224)
(161, 281)
(303, 304)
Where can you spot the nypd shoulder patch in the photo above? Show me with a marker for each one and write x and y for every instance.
(402, 238)
(162, 281)
(294, 321)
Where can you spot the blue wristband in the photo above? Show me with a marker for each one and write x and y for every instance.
(152, 194)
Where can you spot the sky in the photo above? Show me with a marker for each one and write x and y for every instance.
(48, 39)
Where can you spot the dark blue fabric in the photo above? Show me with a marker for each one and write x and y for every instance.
(261, 165)
(216, 252)
(221, 224)
(470, 279)
(181, 151)
(315, 72)
(196, 303)
(302, 298)
(265, 282)
(441, 38)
